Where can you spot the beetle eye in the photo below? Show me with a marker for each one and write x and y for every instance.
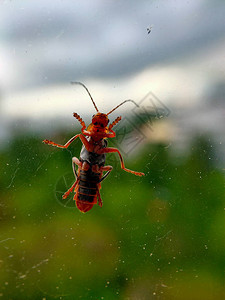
(108, 122)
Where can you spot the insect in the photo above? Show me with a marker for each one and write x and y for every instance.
(91, 165)
(149, 29)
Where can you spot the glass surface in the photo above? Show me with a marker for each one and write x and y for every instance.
(160, 236)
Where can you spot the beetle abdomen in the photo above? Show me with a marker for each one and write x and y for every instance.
(87, 190)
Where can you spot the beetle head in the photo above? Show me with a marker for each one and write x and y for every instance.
(100, 120)
(98, 128)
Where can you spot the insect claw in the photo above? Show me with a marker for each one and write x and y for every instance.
(140, 174)
(46, 142)
(64, 196)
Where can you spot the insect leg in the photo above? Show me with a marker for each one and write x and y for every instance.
(99, 198)
(80, 120)
(76, 161)
(114, 122)
(82, 138)
(61, 146)
(111, 150)
(70, 190)
(105, 168)
(95, 169)
(110, 134)
(85, 166)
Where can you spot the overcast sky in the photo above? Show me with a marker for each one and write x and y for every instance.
(46, 44)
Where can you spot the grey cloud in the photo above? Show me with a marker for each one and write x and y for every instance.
(61, 41)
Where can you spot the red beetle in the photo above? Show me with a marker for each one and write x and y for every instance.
(91, 164)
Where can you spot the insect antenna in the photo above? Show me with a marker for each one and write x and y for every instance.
(122, 104)
(76, 82)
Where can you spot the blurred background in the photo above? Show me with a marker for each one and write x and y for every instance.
(156, 237)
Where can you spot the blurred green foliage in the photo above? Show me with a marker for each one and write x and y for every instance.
(157, 237)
